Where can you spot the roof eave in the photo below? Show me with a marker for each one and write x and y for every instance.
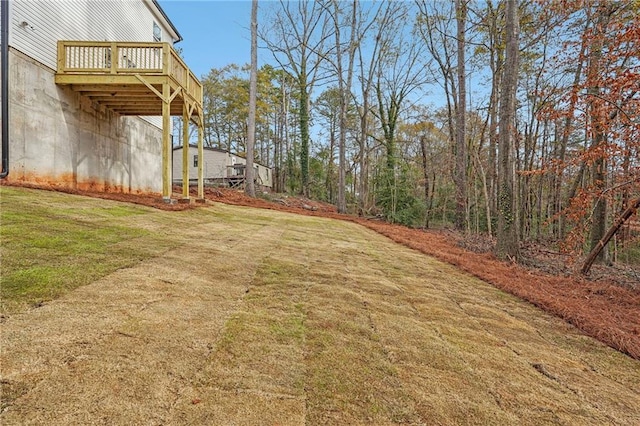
(176, 34)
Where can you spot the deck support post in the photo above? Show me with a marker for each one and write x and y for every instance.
(166, 142)
(185, 152)
(101, 72)
(200, 158)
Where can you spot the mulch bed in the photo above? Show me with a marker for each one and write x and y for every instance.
(600, 308)
(150, 200)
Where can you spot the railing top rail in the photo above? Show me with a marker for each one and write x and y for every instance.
(190, 74)
(171, 63)
(111, 43)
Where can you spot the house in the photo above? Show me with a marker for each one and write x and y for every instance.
(92, 86)
(219, 167)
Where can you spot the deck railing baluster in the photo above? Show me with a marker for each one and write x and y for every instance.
(147, 60)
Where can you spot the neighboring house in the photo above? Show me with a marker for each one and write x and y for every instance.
(220, 167)
(92, 86)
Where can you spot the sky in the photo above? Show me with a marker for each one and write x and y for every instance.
(215, 33)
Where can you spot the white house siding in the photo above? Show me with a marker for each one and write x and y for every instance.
(265, 176)
(58, 138)
(217, 165)
(48, 21)
(36, 26)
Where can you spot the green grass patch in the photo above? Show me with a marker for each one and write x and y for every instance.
(289, 329)
(52, 244)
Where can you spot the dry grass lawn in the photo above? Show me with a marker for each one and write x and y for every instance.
(242, 316)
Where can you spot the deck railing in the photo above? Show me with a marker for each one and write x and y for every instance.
(127, 58)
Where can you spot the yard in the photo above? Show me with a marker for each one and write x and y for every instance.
(121, 314)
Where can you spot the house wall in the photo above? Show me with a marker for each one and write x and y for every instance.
(265, 176)
(36, 26)
(235, 159)
(92, 20)
(215, 163)
(216, 166)
(59, 138)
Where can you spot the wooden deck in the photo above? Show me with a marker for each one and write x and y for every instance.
(132, 78)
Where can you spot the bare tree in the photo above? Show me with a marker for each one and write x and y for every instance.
(435, 27)
(495, 46)
(344, 86)
(297, 37)
(460, 174)
(507, 232)
(253, 88)
(348, 21)
(381, 16)
(399, 74)
(598, 134)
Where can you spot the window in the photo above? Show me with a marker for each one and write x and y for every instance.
(157, 32)
(195, 161)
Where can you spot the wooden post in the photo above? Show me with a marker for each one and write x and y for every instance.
(114, 58)
(62, 57)
(200, 158)
(166, 57)
(185, 150)
(166, 142)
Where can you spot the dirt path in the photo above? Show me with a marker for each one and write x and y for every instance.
(309, 321)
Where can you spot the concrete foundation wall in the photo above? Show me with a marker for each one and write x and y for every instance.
(59, 138)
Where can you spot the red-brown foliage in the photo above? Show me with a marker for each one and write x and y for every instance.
(602, 106)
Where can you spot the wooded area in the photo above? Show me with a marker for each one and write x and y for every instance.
(515, 119)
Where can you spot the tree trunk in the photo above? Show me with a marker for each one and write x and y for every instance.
(423, 146)
(344, 88)
(250, 189)
(485, 192)
(363, 190)
(507, 232)
(461, 112)
(599, 166)
(329, 178)
(303, 117)
(496, 64)
(284, 139)
(595, 252)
